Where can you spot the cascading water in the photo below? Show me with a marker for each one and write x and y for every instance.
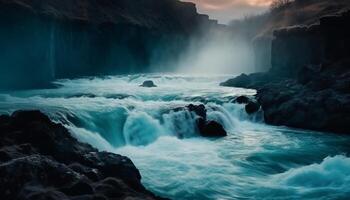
(254, 161)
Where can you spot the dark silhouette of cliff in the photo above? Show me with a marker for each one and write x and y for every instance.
(46, 39)
(259, 29)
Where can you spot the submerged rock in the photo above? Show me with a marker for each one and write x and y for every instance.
(40, 159)
(148, 84)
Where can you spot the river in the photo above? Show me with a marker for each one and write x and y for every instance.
(255, 160)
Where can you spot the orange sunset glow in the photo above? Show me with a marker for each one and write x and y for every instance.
(226, 10)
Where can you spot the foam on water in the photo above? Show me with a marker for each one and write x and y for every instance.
(254, 161)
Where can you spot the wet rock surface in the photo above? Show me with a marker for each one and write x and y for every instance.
(40, 159)
(319, 101)
(251, 105)
(207, 128)
(211, 129)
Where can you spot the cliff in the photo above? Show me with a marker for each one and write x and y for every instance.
(308, 85)
(39, 159)
(323, 43)
(259, 30)
(46, 39)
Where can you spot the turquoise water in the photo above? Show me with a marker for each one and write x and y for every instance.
(255, 161)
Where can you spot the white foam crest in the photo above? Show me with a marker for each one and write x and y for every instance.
(141, 129)
(332, 172)
(181, 123)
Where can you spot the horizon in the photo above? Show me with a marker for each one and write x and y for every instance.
(227, 10)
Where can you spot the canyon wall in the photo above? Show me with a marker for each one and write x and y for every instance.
(260, 29)
(43, 40)
(308, 85)
(294, 48)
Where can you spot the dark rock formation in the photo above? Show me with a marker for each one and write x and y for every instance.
(296, 47)
(240, 81)
(148, 84)
(252, 107)
(295, 105)
(309, 83)
(39, 159)
(252, 81)
(200, 110)
(211, 128)
(206, 128)
(71, 38)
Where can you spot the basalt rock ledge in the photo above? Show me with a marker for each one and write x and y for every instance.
(40, 159)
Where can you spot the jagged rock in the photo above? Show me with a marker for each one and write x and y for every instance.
(39, 159)
(148, 84)
(20, 173)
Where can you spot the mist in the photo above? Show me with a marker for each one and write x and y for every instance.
(218, 51)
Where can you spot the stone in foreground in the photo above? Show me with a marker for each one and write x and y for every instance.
(40, 159)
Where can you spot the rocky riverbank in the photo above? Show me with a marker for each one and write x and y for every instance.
(40, 159)
(308, 85)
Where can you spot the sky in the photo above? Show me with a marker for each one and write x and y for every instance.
(227, 10)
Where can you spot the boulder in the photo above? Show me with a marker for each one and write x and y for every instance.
(252, 107)
(148, 84)
(206, 128)
(211, 129)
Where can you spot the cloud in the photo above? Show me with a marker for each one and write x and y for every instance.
(226, 10)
